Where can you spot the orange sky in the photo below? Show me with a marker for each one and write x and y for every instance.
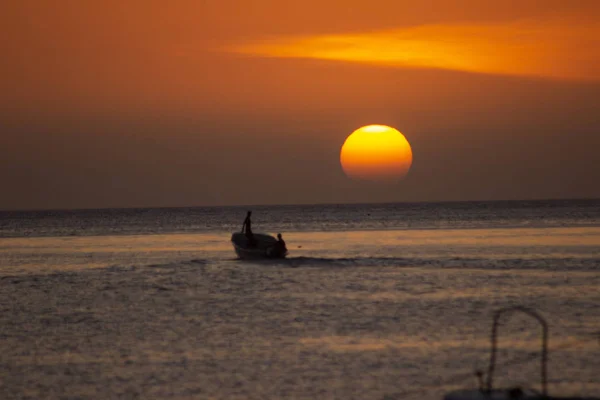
(555, 46)
(112, 103)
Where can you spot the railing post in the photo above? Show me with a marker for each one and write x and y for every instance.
(494, 341)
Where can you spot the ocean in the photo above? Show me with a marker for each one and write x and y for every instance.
(374, 301)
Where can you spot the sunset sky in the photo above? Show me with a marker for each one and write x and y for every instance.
(221, 102)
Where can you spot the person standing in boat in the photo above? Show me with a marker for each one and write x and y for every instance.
(247, 229)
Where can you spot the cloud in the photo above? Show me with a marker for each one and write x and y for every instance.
(553, 47)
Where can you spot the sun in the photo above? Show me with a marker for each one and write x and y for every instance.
(376, 153)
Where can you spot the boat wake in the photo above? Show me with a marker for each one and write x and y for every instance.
(551, 264)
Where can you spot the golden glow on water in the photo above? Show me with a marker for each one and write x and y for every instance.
(556, 48)
(353, 343)
(25, 255)
(376, 153)
(45, 254)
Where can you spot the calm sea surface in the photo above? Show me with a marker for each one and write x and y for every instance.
(378, 301)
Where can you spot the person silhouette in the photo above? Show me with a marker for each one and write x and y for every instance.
(281, 243)
(247, 229)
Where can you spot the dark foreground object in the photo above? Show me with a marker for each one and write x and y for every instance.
(487, 392)
(507, 394)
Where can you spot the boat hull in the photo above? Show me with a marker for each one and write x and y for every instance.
(265, 246)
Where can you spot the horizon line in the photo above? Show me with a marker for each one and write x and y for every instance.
(38, 210)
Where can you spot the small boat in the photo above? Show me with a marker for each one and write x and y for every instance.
(266, 246)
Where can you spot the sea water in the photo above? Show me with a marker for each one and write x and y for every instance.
(377, 301)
